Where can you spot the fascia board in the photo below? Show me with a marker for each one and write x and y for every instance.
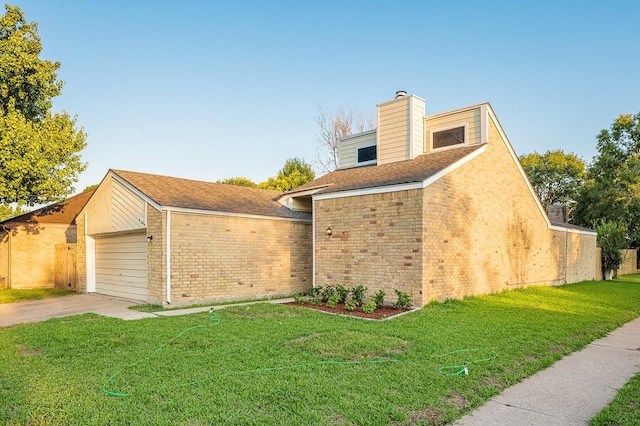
(234, 215)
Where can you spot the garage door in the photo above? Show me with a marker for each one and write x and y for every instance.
(121, 266)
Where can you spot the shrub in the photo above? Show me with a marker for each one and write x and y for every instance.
(342, 293)
(379, 298)
(327, 292)
(369, 307)
(612, 237)
(404, 300)
(357, 294)
(301, 298)
(350, 305)
(315, 292)
(333, 300)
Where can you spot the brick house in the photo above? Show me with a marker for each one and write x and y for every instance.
(437, 206)
(28, 244)
(175, 241)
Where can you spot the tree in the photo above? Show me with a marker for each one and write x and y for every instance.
(239, 181)
(335, 125)
(612, 239)
(556, 177)
(7, 211)
(39, 150)
(612, 188)
(296, 172)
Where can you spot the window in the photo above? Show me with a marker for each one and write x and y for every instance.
(367, 155)
(448, 137)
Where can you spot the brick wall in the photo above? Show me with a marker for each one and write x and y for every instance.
(157, 247)
(484, 233)
(376, 241)
(32, 254)
(216, 258)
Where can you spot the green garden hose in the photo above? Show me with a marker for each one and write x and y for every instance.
(462, 368)
(216, 321)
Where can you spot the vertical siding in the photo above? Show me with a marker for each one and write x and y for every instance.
(417, 127)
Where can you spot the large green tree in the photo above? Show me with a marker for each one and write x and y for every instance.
(556, 176)
(295, 172)
(39, 149)
(239, 181)
(612, 189)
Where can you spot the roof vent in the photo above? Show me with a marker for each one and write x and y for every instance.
(401, 94)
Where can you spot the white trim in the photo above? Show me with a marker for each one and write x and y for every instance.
(366, 145)
(135, 190)
(516, 160)
(455, 111)
(313, 243)
(410, 135)
(168, 256)
(484, 125)
(369, 191)
(567, 229)
(356, 135)
(235, 215)
(90, 257)
(402, 98)
(431, 179)
(403, 186)
(463, 124)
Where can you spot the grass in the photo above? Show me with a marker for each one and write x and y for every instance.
(15, 295)
(53, 372)
(152, 307)
(624, 410)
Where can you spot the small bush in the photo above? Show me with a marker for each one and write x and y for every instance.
(315, 292)
(350, 305)
(379, 298)
(342, 292)
(404, 300)
(327, 292)
(301, 298)
(369, 307)
(357, 294)
(333, 300)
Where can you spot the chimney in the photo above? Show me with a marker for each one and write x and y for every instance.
(400, 131)
(401, 94)
(557, 212)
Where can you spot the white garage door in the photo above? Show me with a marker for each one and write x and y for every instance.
(121, 266)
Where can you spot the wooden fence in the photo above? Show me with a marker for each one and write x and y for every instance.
(65, 267)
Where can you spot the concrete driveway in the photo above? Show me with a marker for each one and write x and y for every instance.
(40, 310)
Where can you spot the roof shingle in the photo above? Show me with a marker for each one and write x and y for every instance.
(416, 170)
(209, 196)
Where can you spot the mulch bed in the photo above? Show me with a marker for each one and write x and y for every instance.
(379, 314)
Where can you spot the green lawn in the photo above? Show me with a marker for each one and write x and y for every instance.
(624, 410)
(54, 372)
(15, 295)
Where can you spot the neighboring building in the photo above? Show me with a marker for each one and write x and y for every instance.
(28, 245)
(437, 206)
(175, 241)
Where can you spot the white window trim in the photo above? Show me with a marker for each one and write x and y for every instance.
(366, 145)
(442, 129)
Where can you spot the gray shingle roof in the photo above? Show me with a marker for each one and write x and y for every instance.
(416, 170)
(216, 197)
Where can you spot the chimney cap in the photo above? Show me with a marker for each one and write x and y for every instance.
(401, 94)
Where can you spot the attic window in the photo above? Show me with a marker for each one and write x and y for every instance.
(448, 137)
(367, 155)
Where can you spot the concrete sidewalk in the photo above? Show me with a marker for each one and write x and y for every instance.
(57, 307)
(572, 390)
(77, 304)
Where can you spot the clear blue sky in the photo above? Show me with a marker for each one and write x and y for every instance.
(213, 89)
